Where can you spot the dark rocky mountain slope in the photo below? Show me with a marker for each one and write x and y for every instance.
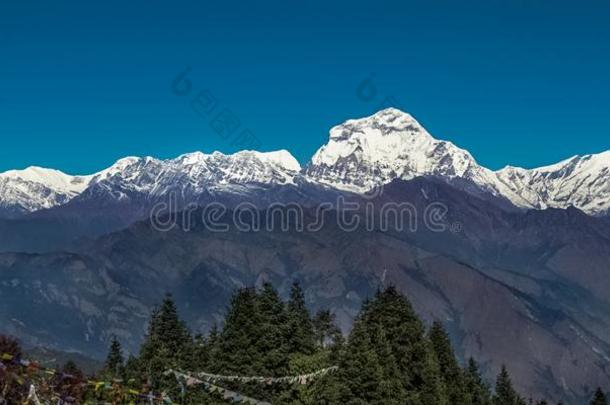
(527, 289)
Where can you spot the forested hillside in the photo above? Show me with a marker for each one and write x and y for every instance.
(270, 351)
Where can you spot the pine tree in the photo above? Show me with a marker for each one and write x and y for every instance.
(360, 375)
(392, 390)
(114, 361)
(255, 339)
(273, 344)
(430, 390)
(241, 336)
(167, 344)
(167, 327)
(599, 398)
(325, 330)
(300, 328)
(201, 353)
(449, 368)
(477, 391)
(410, 347)
(213, 348)
(213, 335)
(505, 393)
(132, 369)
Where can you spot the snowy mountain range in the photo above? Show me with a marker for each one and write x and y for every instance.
(360, 155)
(35, 189)
(81, 250)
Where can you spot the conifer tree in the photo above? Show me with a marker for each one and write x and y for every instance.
(599, 398)
(241, 335)
(167, 344)
(325, 330)
(132, 369)
(449, 368)
(431, 389)
(505, 393)
(300, 328)
(477, 390)
(360, 375)
(392, 390)
(114, 361)
(167, 327)
(201, 352)
(410, 347)
(213, 348)
(273, 344)
(213, 335)
(254, 339)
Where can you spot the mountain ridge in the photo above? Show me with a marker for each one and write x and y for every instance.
(361, 154)
(533, 280)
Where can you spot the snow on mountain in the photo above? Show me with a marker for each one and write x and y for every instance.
(36, 188)
(361, 154)
(581, 181)
(245, 167)
(197, 172)
(365, 153)
(191, 174)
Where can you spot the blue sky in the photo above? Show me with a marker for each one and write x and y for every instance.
(515, 82)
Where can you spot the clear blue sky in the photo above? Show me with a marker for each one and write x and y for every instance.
(515, 82)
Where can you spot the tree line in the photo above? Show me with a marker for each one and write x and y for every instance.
(388, 358)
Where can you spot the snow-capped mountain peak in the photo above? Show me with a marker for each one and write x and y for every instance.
(281, 159)
(373, 138)
(244, 167)
(193, 174)
(390, 144)
(580, 181)
(388, 120)
(364, 153)
(52, 178)
(36, 188)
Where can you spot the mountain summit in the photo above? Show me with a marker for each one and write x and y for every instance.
(581, 181)
(37, 188)
(361, 154)
(368, 152)
(365, 153)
